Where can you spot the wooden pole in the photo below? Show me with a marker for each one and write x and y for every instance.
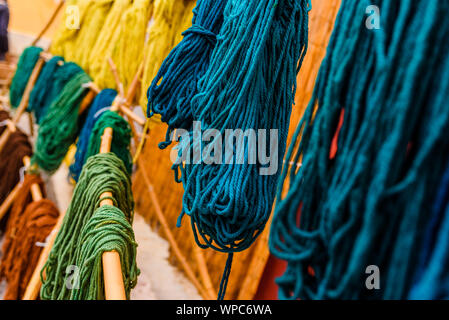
(171, 239)
(36, 193)
(204, 272)
(9, 200)
(114, 288)
(49, 23)
(24, 102)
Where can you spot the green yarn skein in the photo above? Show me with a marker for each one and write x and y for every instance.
(74, 242)
(121, 138)
(60, 127)
(25, 67)
(107, 230)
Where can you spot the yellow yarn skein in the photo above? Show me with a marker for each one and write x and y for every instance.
(87, 37)
(127, 45)
(168, 16)
(106, 39)
(64, 42)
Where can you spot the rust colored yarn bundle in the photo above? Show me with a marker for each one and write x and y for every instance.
(11, 161)
(29, 225)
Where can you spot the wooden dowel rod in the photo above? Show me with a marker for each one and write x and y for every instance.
(34, 286)
(47, 56)
(171, 239)
(90, 96)
(36, 192)
(106, 140)
(132, 115)
(114, 71)
(114, 287)
(49, 23)
(9, 200)
(24, 102)
(204, 273)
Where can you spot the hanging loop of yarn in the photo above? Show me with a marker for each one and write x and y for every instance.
(120, 141)
(43, 93)
(25, 67)
(102, 102)
(229, 204)
(108, 230)
(386, 113)
(175, 84)
(101, 173)
(60, 127)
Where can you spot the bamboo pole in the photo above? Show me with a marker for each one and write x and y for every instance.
(36, 192)
(9, 200)
(204, 272)
(114, 287)
(49, 23)
(171, 239)
(24, 102)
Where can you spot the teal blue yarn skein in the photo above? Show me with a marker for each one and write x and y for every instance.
(25, 67)
(250, 84)
(366, 204)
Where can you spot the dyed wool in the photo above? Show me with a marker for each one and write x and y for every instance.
(59, 129)
(102, 102)
(121, 138)
(86, 39)
(42, 94)
(77, 238)
(64, 42)
(11, 162)
(218, 200)
(127, 46)
(366, 203)
(174, 86)
(28, 227)
(105, 41)
(25, 67)
(167, 14)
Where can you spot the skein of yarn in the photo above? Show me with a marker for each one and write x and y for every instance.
(60, 127)
(11, 162)
(349, 209)
(120, 141)
(101, 173)
(28, 226)
(128, 50)
(43, 93)
(25, 67)
(431, 279)
(108, 230)
(105, 42)
(126, 46)
(86, 39)
(166, 24)
(218, 200)
(101, 103)
(64, 42)
(174, 86)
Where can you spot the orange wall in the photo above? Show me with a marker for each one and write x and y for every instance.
(30, 16)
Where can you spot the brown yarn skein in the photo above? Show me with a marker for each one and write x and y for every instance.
(29, 225)
(11, 161)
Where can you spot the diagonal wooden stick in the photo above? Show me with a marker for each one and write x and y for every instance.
(49, 23)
